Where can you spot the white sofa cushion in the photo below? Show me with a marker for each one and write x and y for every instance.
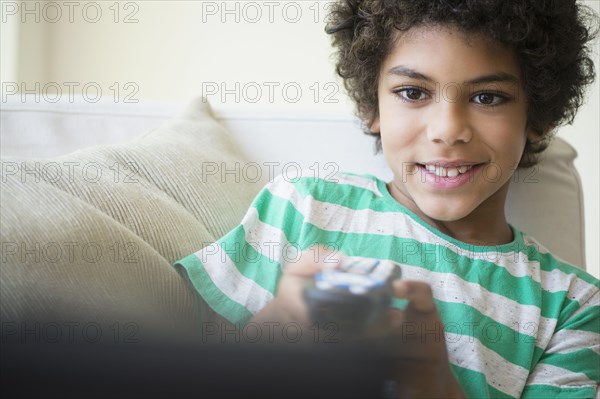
(95, 232)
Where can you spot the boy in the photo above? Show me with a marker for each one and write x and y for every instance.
(453, 91)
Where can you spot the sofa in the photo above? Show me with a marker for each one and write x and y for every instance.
(99, 200)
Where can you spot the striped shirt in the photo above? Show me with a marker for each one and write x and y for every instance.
(518, 322)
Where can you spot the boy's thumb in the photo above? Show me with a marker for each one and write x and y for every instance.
(312, 261)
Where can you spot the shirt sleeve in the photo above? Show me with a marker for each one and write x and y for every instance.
(570, 364)
(237, 275)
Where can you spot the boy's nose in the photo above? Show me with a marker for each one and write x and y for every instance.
(449, 124)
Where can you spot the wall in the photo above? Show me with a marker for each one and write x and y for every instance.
(240, 53)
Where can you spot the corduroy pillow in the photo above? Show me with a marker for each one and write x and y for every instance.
(93, 234)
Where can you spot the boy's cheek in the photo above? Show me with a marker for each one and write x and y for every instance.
(408, 169)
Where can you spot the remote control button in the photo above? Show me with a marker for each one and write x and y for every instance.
(357, 289)
(323, 285)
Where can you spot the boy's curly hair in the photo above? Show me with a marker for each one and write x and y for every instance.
(550, 38)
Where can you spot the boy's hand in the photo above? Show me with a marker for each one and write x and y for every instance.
(414, 341)
(288, 304)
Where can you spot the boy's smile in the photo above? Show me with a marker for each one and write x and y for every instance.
(452, 117)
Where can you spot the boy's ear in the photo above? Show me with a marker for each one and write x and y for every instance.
(534, 137)
(375, 125)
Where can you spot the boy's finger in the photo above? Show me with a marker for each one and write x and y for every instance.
(296, 274)
(312, 261)
(418, 293)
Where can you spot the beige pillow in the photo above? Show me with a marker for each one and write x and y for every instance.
(94, 233)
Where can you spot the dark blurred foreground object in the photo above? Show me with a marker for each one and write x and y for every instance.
(171, 369)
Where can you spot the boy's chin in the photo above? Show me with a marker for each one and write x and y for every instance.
(446, 212)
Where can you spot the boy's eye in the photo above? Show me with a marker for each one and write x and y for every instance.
(489, 99)
(411, 94)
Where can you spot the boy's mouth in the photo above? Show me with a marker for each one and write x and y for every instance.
(449, 170)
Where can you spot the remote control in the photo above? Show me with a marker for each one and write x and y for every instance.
(353, 295)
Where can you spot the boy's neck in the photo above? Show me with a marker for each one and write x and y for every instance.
(485, 226)
(471, 230)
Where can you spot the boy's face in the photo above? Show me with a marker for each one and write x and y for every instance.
(452, 117)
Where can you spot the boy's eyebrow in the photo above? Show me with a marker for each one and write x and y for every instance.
(492, 78)
(409, 73)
